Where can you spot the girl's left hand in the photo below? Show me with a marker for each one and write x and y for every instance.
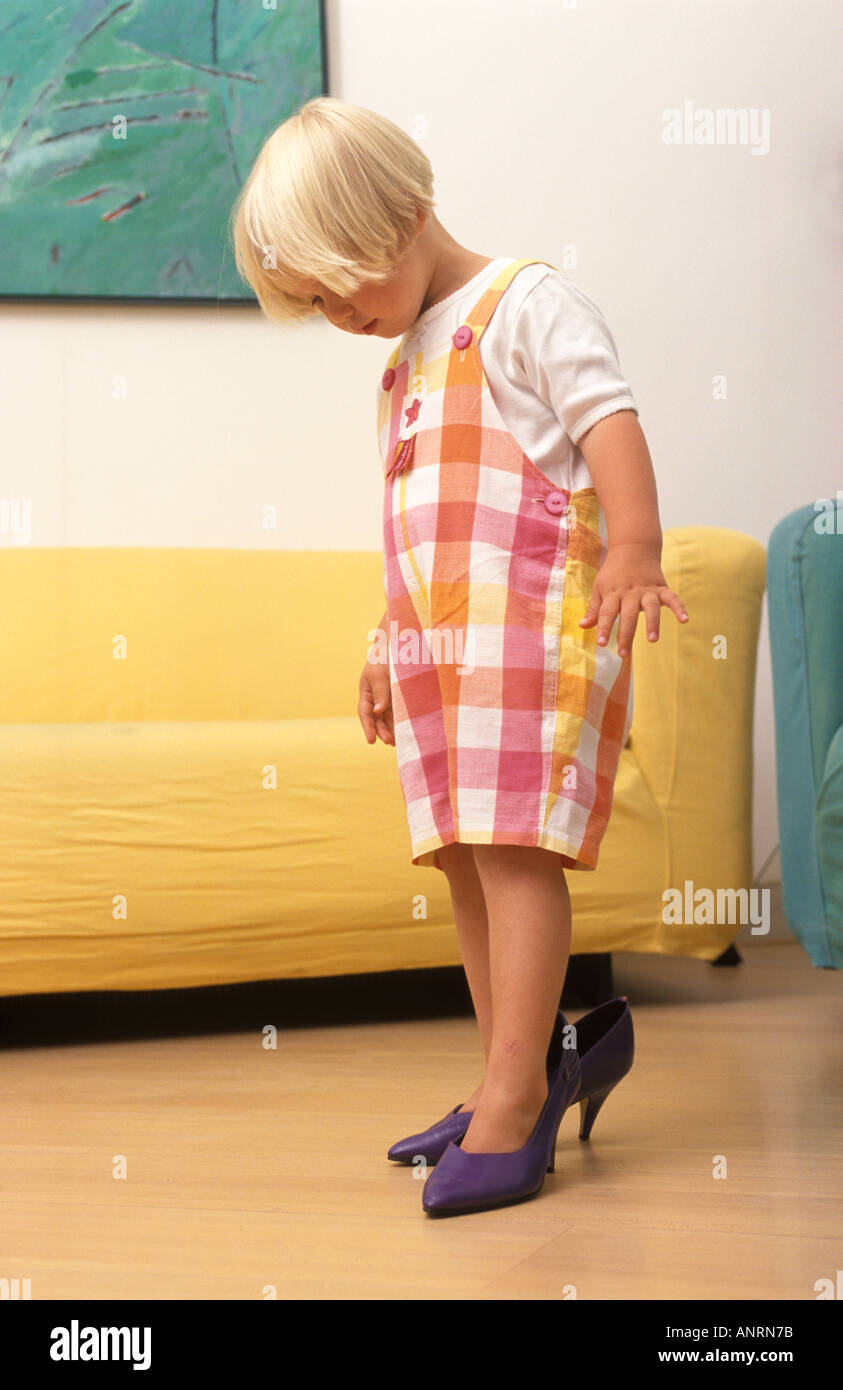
(630, 581)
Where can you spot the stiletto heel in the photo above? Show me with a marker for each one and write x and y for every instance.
(590, 1109)
(551, 1153)
(606, 1044)
(551, 1165)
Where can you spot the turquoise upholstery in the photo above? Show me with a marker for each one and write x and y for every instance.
(805, 607)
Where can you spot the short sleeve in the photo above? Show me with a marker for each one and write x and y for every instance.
(564, 349)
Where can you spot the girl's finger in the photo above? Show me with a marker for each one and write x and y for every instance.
(651, 605)
(674, 602)
(630, 609)
(592, 610)
(608, 612)
(364, 712)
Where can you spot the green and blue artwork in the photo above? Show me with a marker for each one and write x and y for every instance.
(128, 127)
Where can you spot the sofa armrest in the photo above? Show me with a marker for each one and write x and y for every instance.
(694, 689)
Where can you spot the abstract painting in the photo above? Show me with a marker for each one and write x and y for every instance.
(128, 127)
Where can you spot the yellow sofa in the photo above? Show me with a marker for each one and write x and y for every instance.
(188, 798)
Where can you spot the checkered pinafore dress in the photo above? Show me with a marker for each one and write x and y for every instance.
(509, 718)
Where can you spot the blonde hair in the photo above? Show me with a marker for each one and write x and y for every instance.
(333, 196)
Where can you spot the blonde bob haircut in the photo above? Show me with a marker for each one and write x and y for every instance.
(333, 196)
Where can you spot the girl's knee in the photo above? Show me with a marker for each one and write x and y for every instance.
(518, 859)
(457, 860)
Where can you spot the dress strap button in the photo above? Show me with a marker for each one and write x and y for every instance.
(388, 379)
(556, 502)
(463, 336)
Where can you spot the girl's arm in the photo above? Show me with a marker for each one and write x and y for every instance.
(630, 580)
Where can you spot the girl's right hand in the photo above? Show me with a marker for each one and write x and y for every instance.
(375, 704)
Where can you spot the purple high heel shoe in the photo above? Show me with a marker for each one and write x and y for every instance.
(431, 1143)
(463, 1182)
(606, 1046)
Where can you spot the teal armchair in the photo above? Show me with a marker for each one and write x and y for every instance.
(805, 608)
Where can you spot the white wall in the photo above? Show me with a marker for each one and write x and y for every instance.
(543, 120)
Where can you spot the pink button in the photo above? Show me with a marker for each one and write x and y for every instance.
(388, 379)
(556, 502)
(463, 336)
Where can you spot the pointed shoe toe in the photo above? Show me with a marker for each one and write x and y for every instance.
(465, 1182)
(431, 1143)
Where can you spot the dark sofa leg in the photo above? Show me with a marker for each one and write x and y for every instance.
(729, 957)
(588, 981)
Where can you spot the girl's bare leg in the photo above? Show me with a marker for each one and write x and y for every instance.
(529, 938)
(472, 924)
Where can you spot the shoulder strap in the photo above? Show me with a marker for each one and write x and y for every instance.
(492, 295)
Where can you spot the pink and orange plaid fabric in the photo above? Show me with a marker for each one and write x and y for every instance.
(509, 719)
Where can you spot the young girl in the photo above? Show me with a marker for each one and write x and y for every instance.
(520, 514)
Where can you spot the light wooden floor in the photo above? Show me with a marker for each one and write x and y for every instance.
(249, 1168)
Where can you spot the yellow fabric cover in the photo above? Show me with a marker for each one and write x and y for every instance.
(188, 797)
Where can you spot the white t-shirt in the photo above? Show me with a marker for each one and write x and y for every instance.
(550, 360)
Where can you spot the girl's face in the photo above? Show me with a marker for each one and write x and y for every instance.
(384, 310)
